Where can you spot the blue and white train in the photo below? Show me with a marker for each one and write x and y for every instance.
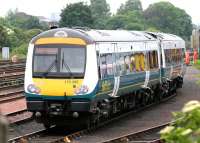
(83, 75)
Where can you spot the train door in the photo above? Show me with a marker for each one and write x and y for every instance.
(146, 66)
(106, 63)
(116, 71)
(153, 64)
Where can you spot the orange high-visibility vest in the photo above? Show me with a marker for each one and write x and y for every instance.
(187, 58)
(195, 56)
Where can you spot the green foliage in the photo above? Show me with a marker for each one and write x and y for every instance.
(100, 13)
(17, 30)
(20, 51)
(23, 21)
(168, 18)
(152, 29)
(4, 41)
(197, 65)
(131, 21)
(130, 5)
(4, 22)
(20, 39)
(77, 14)
(134, 26)
(32, 22)
(117, 22)
(32, 33)
(186, 125)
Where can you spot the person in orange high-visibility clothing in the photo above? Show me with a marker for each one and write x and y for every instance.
(195, 56)
(187, 58)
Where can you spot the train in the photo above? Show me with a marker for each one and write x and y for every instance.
(83, 76)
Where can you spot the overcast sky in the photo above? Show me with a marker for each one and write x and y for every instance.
(48, 7)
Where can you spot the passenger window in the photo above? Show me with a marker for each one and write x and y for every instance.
(137, 62)
(142, 62)
(127, 64)
(109, 64)
(106, 65)
(122, 64)
(132, 63)
(152, 59)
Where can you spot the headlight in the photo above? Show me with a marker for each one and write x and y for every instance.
(33, 89)
(82, 90)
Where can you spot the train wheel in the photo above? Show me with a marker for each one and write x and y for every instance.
(145, 98)
(159, 93)
(47, 125)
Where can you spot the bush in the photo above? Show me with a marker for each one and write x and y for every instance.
(186, 125)
(20, 51)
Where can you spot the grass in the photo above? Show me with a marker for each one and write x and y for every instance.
(197, 65)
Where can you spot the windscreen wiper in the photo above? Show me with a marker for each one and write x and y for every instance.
(66, 65)
(50, 68)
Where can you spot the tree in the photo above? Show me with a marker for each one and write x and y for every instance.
(130, 5)
(4, 41)
(17, 38)
(133, 20)
(4, 22)
(117, 22)
(32, 22)
(77, 14)
(129, 16)
(100, 12)
(23, 20)
(168, 18)
(152, 29)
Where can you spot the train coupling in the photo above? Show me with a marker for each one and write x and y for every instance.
(56, 109)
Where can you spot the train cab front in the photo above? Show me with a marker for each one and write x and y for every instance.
(57, 74)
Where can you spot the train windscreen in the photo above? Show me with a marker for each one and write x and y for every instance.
(59, 61)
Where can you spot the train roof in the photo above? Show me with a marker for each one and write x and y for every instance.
(165, 36)
(118, 35)
(91, 35)
(64, 32)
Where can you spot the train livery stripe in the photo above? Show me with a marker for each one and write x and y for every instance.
(55, 40)
(128, 86)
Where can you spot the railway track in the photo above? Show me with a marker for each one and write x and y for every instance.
(11, 80)
(10, 96)
(150, 135)
(11, 74)
(12, 68)
(9, 62)
(19, 117)
(44, 136)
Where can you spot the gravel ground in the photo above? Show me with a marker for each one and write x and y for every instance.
(152, 116)
(13, 106)
(22, 129)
